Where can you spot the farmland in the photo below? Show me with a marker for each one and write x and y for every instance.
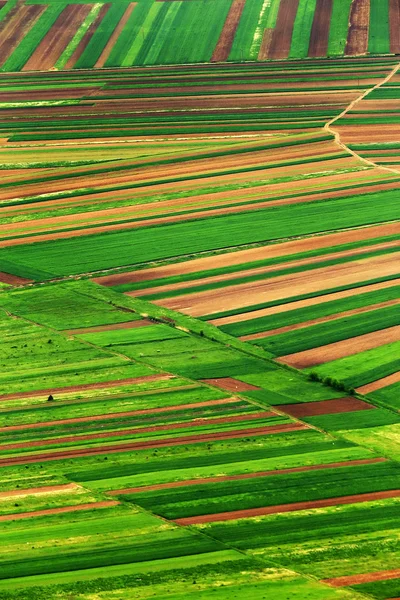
(57, 35)
(199, 300)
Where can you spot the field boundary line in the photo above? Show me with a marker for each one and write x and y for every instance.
(328, 126)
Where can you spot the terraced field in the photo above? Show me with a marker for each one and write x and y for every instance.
(199, 300)
(56, 35)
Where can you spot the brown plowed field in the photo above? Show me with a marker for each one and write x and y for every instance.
(282, 35)
(330, 352)
(114, 36)
(224, 44)
(281, 508)
(394, 25)
(342, 315)
(60, 455)
(56, 40)
(230, 384)
(66, 487)
(175, 484)
(131, 413)
(363, 578)
(252, 255)
(326, 407)
(15, 27)
(266, 44)
(319, 36)
(283, 286)
(357, 38)
(112, 327)
(56, 511)
(85, 386)
(87, 37)
(76, 439)
(379, 383)
(13, 279)
(256, 314)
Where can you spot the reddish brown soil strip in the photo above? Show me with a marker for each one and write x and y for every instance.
(320, 29)
(230, 384)
(362, 578)
(283, 286)
(57, 39)
(205, 480)
(85, 386)
(118, 415)
(112, 327)
(87, 37)
(13, 279)
(379, 383)
(256, 314)
(170, 442)
(326, 407)
(224, 44)
(394, 26)
(265, 44)
(347, 313)
(114, 36)
(282, 35)
(281, 508)
(56, 511)
(15, 29)
(76, 439)
(40, 490)
(357, 37)
(254, 254)
(360, 343)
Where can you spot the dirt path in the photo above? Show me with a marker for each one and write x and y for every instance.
(348, 347)
(113, 327)
(56, 511)
(363, 578)
(205, 480)
(379, 383)
(85, 386)
(304, 324)
(149, 444)
(281, 508)
(118, 415)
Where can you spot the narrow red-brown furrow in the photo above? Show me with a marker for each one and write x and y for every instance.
(56, 40)
(224, 44)
(205, 480)
(394, 26)
(363, 578)
(114, 36)
(281, 508)
(319, 36)
(378, 384)
(282, 35)
(326, 407)
(357, 37)
(112, 327)
(56, 511)
(230, 384)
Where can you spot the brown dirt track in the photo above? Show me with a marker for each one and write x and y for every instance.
(85, 386)
(357, 38)
(363, 578)
(131, 413)
(281, 287)
(326, 407)
(126, 447)
(224, 44)
(175, 484)
(319, 36)
(56, 511)
(295, 506)
(348, 347)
